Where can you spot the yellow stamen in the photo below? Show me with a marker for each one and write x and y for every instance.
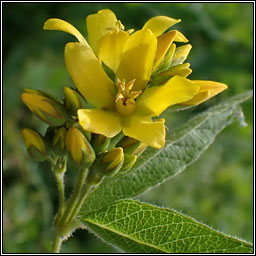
(125, 98)
(119, 27)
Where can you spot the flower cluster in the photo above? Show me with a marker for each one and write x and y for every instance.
(124, 81)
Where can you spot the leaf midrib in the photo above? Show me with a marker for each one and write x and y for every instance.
(126, 236)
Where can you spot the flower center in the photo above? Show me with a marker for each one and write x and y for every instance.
(125, 98)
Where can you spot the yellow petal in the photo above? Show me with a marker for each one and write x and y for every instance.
(208, 89)
(99, 25)
(143, 129)
(88, 75)
(58, 24)
(99, 121)
(164, 43)
(180, 37)
(159, 24)
(111, 48)
(138, 58)
(156, 99)
(181, 54)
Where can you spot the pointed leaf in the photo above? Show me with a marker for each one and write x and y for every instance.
(138, 227)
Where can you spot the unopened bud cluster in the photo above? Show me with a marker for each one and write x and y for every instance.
(64, 136)
(174, 57)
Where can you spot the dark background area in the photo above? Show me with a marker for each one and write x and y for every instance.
(217, 189)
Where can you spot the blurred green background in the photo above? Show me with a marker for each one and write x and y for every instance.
(217, 189)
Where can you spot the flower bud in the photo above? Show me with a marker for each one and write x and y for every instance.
(129, 161)
(35, 144)
(58, 142)
(42, 93)
(139, 150)
(95, 177)
(45, 108)
(113, 161)
(87, 134)
(79, 148)
(178, 70)
(100, 143)
(132, 146)
(168, 57)
(73, 100)
(181, 54)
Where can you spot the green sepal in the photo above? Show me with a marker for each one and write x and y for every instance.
(108, 71)
(130, 147)
(58, 141)
(115, 140)
(96, 174)
(88, 156)
(36, 154)
(159, 80)
(53, 121)
(100, 143)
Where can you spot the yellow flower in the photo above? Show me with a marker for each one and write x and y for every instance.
(127, 104)
(118, 106)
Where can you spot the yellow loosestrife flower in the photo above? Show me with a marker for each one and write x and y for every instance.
(128, 103)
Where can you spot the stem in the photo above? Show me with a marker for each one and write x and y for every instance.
(78, 205)
(66, 222)
(60, 183)
(56, 244)
(59, 169)
(74, 197)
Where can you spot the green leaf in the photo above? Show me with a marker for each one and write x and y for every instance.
(137, 227)
(182, 148)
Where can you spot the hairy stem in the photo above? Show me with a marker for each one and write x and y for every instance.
(74, 197)
(56, 244)
(59, 169)
(87, 189)
(60, 183)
